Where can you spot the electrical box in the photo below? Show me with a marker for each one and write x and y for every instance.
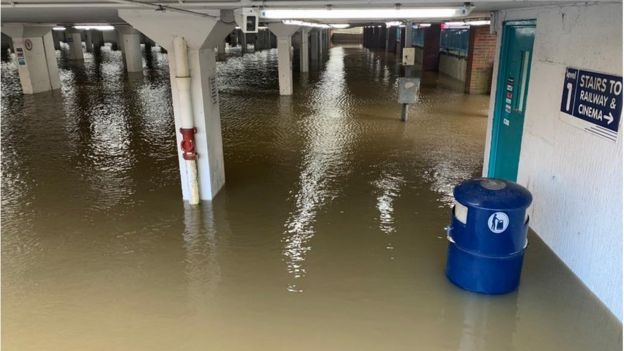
(409, 56)
(248, 20)
(408, 90)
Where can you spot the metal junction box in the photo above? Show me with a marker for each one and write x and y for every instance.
(408, 90)
(409, 56)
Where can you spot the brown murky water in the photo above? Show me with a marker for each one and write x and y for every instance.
(328, 235)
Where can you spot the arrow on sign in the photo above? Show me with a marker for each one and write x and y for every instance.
(609, 118)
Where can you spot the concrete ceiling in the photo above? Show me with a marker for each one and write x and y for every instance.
(103, 11)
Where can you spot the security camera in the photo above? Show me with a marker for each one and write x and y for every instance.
(247, 20)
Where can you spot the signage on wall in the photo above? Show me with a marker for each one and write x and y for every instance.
(28, 44)
(592, 101)
(21, 60)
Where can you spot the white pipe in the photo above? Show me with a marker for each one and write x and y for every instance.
(183, 84)
(183, 81)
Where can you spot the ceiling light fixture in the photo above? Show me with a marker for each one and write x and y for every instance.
(369, 13)
(96, 27)
(468, 23)
(305, 24)
(393, 24)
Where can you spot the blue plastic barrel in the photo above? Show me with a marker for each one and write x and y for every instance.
(488, 235)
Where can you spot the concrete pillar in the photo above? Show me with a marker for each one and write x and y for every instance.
(387, 38)
(119, 41)
(284, 34)
(321, 44)
(480, 60)
(304, 53)
(147, 47)
(221, 50)
(57, 37)
(97, 39)
(34, 48)
(89, 41)
(260, 44)
(74, 39)
(266, 39)
(110, 36)
(400, 41)
(202, 34)
(408, 35)
(392, 34)
(131, 47)
(431, 48)
(242, 39)
(314, 46)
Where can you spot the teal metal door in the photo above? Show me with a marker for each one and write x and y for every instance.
(511, 93)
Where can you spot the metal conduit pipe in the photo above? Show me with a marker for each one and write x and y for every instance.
(187, 125)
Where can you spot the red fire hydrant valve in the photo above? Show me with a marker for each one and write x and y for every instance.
(188, 143)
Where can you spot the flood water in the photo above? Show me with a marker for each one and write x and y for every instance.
(327, 236)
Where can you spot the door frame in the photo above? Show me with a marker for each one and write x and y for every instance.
(500, 89)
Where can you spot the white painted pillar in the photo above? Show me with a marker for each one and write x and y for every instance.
(284, 34)
(130, 40)
(74, 39)
(34, 47)
(202, 34)
(304, 51)
(284, 65)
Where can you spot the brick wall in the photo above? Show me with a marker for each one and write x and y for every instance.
(481, 51)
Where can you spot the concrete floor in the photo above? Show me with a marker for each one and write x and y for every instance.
(328, 235)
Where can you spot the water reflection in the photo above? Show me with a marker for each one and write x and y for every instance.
(388, 188)
(203, 271)
(482, 323)
(328, 136)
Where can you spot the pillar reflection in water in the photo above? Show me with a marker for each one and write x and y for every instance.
(202, 268)
(388, 187)
(327, 142)
(91, 96)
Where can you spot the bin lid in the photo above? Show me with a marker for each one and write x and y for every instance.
(491, 193)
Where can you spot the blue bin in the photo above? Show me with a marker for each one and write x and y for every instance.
(487, 235)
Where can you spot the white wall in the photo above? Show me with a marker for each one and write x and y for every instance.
(575, 177)
(453, 66)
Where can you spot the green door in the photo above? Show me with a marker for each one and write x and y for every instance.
(511, 93)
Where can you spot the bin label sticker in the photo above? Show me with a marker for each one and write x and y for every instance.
(498, 222)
